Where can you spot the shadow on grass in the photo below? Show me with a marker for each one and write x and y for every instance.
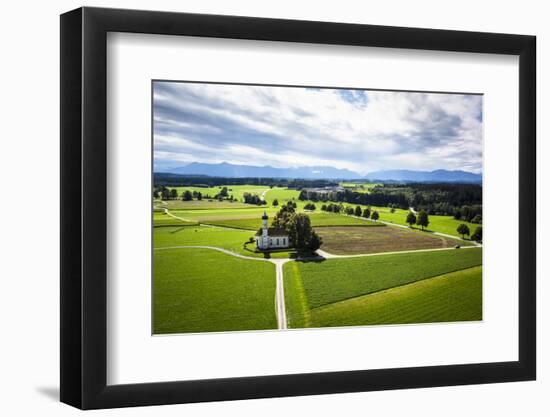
(307, 257)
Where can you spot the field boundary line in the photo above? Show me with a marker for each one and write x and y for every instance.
(328, 255)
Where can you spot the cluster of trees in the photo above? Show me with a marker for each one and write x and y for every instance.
(422, 219)
(165, 193)
(332, 208)
(176, 180)
(309, 206)
(472, 214)
(253, 199)
(367, 213)
(298, 227)
(460, 200)
(463, 230)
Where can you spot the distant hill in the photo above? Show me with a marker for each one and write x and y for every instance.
(440, 175)
(225, 169)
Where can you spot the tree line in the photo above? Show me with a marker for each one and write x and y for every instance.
(462, 201)
(175, 180)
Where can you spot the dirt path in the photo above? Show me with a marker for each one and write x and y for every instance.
(167, 212)
(280, 293)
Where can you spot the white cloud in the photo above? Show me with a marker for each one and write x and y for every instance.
(282, 126)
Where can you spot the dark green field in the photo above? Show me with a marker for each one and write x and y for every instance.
(201, 290)
(315, 284)
(455, 296)
(204, 290)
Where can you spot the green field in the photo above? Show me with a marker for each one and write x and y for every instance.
(229, 239)
(282, 195)
(191, 295)
(236, 191)
(163, 219)
(441, 224)
(253, 221)
(456, 296)
(314, 284)
(201, 204)
(200, 290)
(360, 187)
(231, 211)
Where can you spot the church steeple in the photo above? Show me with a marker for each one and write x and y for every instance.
(264, 225)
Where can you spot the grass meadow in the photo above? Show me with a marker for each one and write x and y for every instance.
(455, 296)
(191, 295)
(315, 284)
(203, 290)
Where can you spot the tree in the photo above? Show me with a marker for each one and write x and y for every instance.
(324, 207)
(366, 213)
(223, 192)
(301, 234)
(156, 194)
(478, 234)
(392, 210)
(422, 219)
(374, 216)
(315, 241)
(173, 193)
(165, 194)
(275, 203)
(349, 211)
(476, 219)
(358, 211)
(199, 196)
(187, 196)
(463, 230)
(411, 219)
(284, 216)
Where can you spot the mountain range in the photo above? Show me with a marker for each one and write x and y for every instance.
(439, 175)
(225, 169)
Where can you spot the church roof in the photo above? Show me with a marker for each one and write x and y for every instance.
(274, 231)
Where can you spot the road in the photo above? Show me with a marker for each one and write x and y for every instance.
(280, 293)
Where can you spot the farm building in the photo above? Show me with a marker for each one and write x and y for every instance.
(271, 237)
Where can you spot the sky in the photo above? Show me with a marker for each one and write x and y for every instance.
(360, 130)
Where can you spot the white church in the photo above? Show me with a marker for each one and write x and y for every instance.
(271, 237)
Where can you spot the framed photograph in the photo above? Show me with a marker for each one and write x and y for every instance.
(258, 208)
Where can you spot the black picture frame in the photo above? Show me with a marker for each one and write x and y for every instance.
(84, 207)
